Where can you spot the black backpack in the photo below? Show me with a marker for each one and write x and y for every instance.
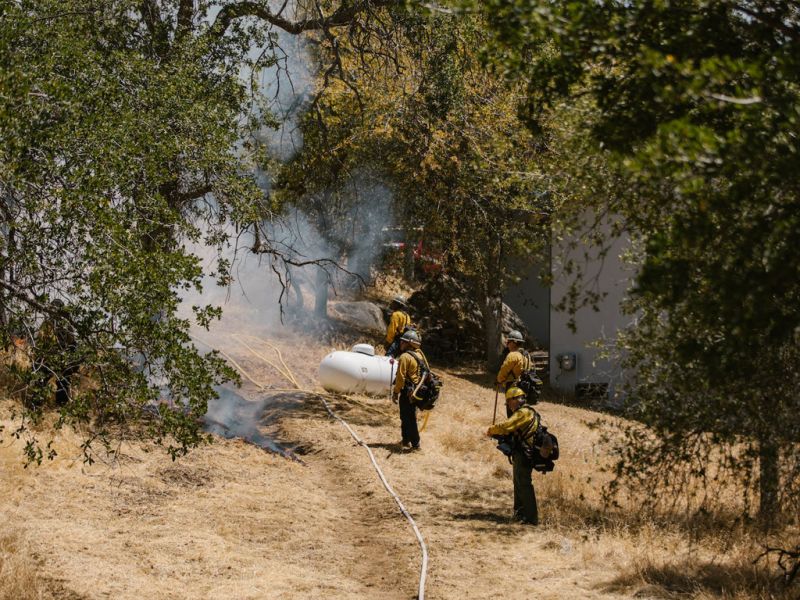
(530, 383)
(425, 394)
(544, 451)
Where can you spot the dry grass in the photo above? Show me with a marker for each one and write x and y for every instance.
(684, 576)
(232, 521)
(19, 576)
(21, 572)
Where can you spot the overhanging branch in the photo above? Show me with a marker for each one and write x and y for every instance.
(185, 14)
(48, 309)
(183, 197)
(341, 16)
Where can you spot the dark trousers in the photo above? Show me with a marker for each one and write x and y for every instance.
(62, 377)
(503, 388)
(524, 497)
(394, 348)
(408, 420)
(63, 385)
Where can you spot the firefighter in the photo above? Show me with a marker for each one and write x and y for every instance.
(55, 351)
(517, 361)
(407, 378)
(399, 323)
(519, 431)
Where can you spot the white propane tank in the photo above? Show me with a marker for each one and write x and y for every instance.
(357, 371)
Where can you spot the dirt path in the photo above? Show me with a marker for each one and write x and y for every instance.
(451, 488)
(231, 521)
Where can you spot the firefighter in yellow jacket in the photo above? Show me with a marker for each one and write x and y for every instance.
(406, 380)
(515, 362)
(519, 430)
(399, 322)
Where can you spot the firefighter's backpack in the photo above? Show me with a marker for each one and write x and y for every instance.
(544, 451)
(425, 394)
(530, 383)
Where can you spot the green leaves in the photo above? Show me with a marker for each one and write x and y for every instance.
(692, 106)
(114, 134)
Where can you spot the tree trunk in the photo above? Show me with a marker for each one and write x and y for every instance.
(297, 306)
(321, 294)
(493, 307)
(768, 483)
(408, 258)
(492, 310)
(7, 276)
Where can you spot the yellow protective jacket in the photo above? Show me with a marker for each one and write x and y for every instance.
(513, 367)
(408, 370)
(517, 423)
(397, 322)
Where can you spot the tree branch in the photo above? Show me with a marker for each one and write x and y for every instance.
(770, 20)
(183, 197)
(341, 16)
(151, 15)
(185, 15)
(32, 302)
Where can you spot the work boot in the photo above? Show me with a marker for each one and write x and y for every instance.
(517, 518)
(415, 447)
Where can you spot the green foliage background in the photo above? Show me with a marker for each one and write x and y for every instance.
(118, 148)
(696, 106)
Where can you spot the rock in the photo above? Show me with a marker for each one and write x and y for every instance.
(360, 315)
(512, 320)
(451, 321)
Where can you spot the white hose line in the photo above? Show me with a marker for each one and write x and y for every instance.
(289, 375)
(406, 514)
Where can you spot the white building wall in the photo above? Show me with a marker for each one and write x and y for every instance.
(608, 275)
(530, 299)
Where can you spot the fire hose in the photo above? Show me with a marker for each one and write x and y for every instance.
(287, 373)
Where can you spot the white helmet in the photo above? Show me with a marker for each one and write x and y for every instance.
(515, 336)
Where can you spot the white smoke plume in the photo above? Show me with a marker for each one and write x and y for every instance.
(265, 296)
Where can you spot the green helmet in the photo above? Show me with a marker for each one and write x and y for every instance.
(515, 336)
(412, 337)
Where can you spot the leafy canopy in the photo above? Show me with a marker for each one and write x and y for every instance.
(697, 104)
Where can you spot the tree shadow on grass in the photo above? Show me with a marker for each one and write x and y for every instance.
(690, 578)
(489, 517)
(358, 412)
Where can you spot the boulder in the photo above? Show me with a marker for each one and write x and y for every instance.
(365, 316)
(450, 319)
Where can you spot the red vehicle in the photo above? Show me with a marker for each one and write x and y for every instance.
(426, 260)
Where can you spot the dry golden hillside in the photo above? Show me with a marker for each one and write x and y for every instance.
(233, 521)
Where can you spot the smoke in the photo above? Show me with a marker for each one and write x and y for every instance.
(286, 85)
(373, 210)
(233, 416)
(266, 291)
(269, 292)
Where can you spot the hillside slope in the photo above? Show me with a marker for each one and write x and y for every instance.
(232, 521)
